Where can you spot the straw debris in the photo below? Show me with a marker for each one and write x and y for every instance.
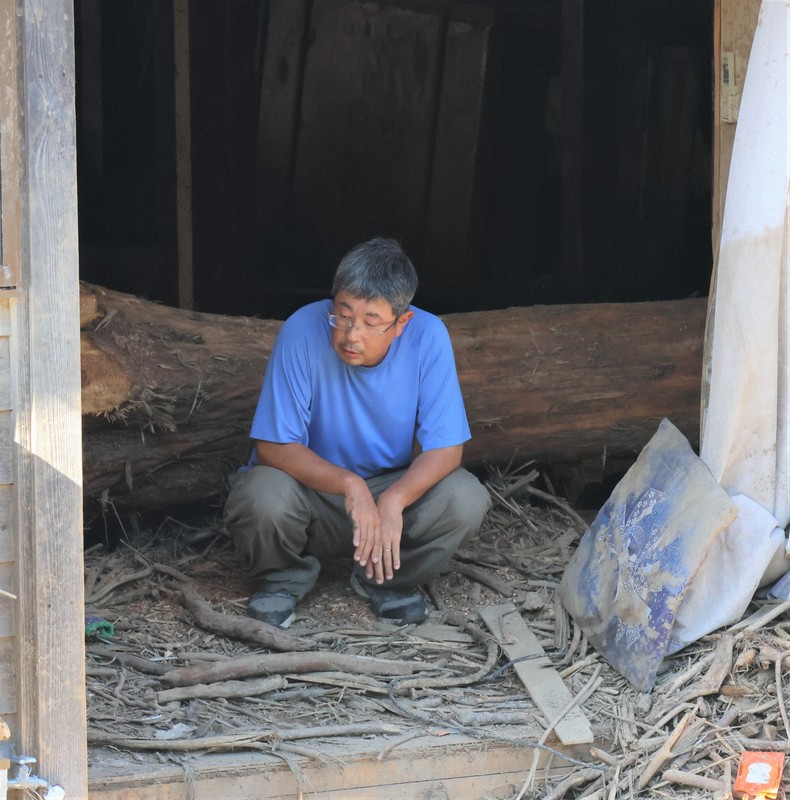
(176, 601)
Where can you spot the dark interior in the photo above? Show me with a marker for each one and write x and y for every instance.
(523, 151)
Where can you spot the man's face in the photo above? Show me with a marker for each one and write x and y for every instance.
(373, 328)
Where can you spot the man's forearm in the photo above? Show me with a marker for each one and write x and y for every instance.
(305, 466)
(427, 469)
(302, 464)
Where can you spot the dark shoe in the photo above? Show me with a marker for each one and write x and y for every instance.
(277, 608)
(406, 607)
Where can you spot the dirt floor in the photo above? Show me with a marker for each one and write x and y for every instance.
(170, 600)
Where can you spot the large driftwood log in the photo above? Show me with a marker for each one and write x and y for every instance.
(168, 395)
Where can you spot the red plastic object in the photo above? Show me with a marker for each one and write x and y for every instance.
(759, 776)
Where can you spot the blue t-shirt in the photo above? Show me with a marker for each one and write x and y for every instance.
(364, 419)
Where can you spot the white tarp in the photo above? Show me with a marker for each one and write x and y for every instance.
(745, 433)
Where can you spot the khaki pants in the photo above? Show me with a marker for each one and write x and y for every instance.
(281, 529)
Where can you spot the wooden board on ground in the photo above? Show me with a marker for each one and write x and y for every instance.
(451, 767)
(543, 682)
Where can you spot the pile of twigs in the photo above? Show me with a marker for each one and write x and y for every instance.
(181, 670)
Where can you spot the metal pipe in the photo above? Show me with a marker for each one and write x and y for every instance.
(25, 779)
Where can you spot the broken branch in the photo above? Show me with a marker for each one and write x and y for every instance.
(237, 627)
(241, 740)
(222, 689)
(249, 666)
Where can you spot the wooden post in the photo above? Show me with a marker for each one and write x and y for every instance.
(9, 250)
(451, 237)
(572, 145)
(186, 290)
(45, 399)
(91, 104)
(9, 146)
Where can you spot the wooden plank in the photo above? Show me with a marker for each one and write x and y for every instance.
(678, 102)
(45, 357)
(450, 247)
(91, 102)
(183, 131)
(7, 602)
(5, 317)
(6, 447)
(10, 256)
(543, 682)
(451, 767)
(279, 109)
(5, 374)
(366, 124)
(10, 241)
(8, 683)
(572, 151)
(7, 528)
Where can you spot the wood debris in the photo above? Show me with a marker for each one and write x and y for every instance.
(187, 672)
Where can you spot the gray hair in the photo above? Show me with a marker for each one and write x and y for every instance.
(377, 270)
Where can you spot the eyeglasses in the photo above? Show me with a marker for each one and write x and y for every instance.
(343, 324)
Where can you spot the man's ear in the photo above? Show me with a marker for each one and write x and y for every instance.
(403, 321)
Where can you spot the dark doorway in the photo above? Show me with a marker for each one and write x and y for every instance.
(541, 152)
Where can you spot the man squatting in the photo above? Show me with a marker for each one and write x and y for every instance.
(351, 385)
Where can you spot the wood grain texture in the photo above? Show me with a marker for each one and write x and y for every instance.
(451, 245)
(46, 368)
(5, 317)
(7, 602)
(183, 128)
(8, 682)
(10, 247)
(543, 682)
(7, 522)
(441, 766)
(550, 383)
(366, 122)
(10, 232)
(278, 111)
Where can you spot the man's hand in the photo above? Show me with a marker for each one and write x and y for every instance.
(391, 515)
(364, 515)
(313, 471)
(378, 526)
(427, 469)
(379, 550)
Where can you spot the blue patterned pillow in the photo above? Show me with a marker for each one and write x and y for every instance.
(625, 582)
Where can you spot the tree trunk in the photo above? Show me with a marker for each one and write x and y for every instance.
(168, 395)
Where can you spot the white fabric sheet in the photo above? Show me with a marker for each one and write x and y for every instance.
(737, 559)
(746, 421)
(745, 435)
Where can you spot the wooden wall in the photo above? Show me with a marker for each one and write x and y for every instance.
(366, 121)
(524, 153)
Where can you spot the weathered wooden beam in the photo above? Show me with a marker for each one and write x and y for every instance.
(183, 128)
(369, 768)
(45, 347)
